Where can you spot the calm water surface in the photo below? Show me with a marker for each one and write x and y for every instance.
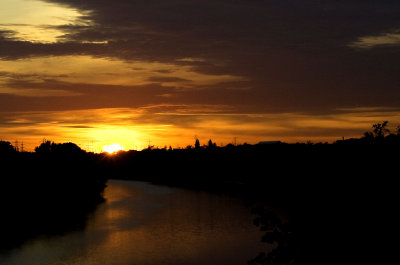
(141, 223)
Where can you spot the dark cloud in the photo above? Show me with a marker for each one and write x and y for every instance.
(293, 54)
(160, 79)
(5, 34)
(79, 126)
(284, 23)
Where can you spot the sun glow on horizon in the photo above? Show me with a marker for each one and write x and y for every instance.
(113, 148)
(113, 129)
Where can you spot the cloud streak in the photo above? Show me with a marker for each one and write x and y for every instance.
(381, 40)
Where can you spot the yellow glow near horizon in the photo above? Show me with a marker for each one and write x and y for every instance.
(136, 128)
(34, 20)
(113, 148)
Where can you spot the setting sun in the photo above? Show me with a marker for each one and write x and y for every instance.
(112, 148)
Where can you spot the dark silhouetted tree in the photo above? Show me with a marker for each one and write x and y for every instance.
(64, 148)
(368, 135)
(6, 147)
(197, 144)
(380, 129)
(44, 147)
(278, 233)
(211, 145)
(67, 148)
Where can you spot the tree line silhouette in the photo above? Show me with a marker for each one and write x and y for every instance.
(331, 193)
(49, 191)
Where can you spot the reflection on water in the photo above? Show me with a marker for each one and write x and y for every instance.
(145, 224)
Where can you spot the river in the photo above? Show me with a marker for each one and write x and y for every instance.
(142, 223)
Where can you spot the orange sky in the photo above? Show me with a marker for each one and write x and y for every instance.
(164, 73)
(157, 125)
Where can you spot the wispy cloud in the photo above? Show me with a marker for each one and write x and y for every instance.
(28, 92)
(380, 40)
(103, 71)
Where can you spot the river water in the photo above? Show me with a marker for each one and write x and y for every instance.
(142, 224)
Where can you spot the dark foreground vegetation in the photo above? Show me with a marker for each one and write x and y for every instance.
(51, 191)
(339, 201)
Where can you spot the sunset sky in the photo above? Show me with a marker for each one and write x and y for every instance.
(134, 72)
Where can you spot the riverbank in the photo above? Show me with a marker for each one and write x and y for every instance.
(331, 193)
